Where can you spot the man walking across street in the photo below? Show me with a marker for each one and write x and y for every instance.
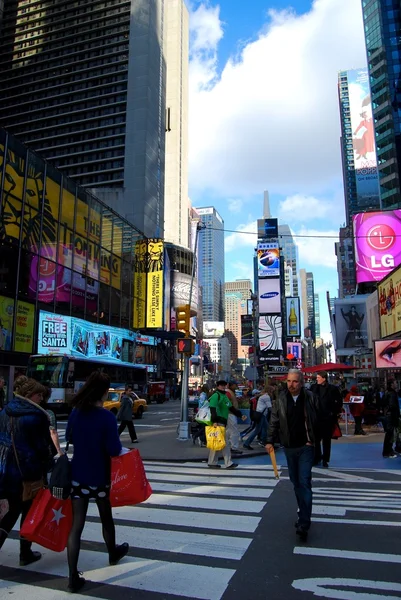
(232, 419)
(125, 414)
(330, 405)
(220, 408)
(2, 393)
(295, 417)
(391, 419)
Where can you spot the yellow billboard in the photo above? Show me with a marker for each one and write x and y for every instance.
(154, 297)
(139, 292)
(24, 326)
(389, 293)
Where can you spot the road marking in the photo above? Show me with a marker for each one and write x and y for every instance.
(336, 474)
(369, 503)
(214, 504)
(359, 522)
(208, 479)
(15, 589)
(320, 587)
(213, 490)
(332, 553)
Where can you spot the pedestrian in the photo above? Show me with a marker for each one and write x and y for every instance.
(24, 457)
(356, 409)
(203, 396)
(125, 415)
(391, 409)
(2, 393)
(261, 417)
(295, 417)
(93, 432)
(234, 436)
(330, 405)
(220, 408)
(53, 422)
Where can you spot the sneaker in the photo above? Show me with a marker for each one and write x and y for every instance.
(392, 455)
(302, 533)
(261, 444)
(232, 466)
(135, 441)
(119, 553)
(214, 466)
(235, 451)
(75, 583)
(29, 558)
(248, 447)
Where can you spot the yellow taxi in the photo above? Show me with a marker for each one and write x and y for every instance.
(113, 403)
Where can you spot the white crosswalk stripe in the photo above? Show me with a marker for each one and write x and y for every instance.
(197, 526)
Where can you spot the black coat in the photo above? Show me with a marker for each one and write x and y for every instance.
(330, 401)
(279, 420)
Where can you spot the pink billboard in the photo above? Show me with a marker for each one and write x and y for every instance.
(377, 238)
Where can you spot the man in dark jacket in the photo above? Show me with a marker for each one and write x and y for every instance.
(330, 405)
(125, 414)
(295, 417)
(391, 409)
(2, 393)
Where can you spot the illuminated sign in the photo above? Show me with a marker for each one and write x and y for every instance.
(269, 296)
(268, 254)
(389, 296)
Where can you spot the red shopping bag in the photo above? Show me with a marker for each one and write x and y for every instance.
(336, 431)
(48, 521)
(129, 484)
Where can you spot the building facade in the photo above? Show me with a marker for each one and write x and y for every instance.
(211, 264)
(344, 250)
(176, 201)
(308, 304)
(316, 306)
(83, 83)
(290, 252)
(382, 25)
(237, 294)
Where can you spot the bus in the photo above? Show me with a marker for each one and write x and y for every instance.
(66, 374)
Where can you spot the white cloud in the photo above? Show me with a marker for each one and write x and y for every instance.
(242, 237)
(235, 205)
(271, 117)
(316, 248)
(300, 208)
(242, 270)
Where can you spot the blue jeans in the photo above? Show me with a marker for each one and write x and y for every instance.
(260, 429)
(300, 463)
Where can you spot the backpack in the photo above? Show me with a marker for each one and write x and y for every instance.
(60, 478)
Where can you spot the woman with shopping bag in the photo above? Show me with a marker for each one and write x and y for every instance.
(92, 430)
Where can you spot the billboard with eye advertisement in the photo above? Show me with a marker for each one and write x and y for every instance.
(388, 354)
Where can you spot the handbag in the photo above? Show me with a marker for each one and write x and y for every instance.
(129, 484)
(204, 415)
(215, 437)
(60, 478)
(29, 488)
(48, 522)
(336, 431)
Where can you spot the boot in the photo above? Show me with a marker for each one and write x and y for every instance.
(75, 582)
(26, 555)
(119, 553)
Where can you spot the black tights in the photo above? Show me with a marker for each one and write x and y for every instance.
(16, 508)
(79, 510)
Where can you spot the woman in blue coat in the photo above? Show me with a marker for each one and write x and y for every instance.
(24, 457)
(93, 432)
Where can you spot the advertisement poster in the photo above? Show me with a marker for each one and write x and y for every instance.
(388, 354)
(269, 296)
(213, 329)
(351, 332)
(268, 254)
(154, 296)
(389, 296)
(246, 330)
(270, 338)
(363, 138)
(24, 326)
(59, 335)
(377, 238)
(267, 228)
(140, 267)
(295, 348)
(293, 316)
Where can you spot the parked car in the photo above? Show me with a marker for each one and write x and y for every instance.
(113, 403)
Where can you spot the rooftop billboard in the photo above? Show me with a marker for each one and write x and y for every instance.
(213, 329)
(351, 331)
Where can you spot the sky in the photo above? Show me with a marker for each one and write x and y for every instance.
(264, 115)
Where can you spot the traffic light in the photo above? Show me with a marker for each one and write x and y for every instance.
(185, 346)
(183, 316)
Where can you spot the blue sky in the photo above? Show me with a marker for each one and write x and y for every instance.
(264, 116)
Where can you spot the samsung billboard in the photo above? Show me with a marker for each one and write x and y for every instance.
(269, 296)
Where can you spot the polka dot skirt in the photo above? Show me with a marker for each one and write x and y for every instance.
(79, 490)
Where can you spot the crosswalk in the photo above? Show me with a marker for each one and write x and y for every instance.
(196, 527)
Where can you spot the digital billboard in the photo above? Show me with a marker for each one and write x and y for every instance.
(213, 329)
(363, 138)
(268, 254)
(246, 330)
(388, 354)
(377, 238)
(270, 338)
(389, 297)
(25, 317)
(267, 228)
(295, 348)
(269, 296)
(293, 316)
(351, 330)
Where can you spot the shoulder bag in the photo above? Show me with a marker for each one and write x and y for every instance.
(29, 488)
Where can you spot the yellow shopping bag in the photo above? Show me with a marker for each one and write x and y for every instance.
(215, 437)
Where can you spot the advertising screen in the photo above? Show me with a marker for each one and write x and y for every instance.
(213, 329)
(295, 348)
(268, 254)
(269, 296)
(270, 338)
(293, 316)
(377, 238)
(60, 335)
(389, 296)
(363, 138)
(351, 333)
(388, 354)
(25, 317)
(267, 228)
(246, 330)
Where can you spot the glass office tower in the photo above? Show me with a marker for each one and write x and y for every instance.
(382, 23)
(211, 264)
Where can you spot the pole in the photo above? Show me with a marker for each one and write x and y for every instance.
(184, 423)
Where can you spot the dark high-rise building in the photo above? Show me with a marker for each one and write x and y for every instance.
(382, 24)
(83, 83)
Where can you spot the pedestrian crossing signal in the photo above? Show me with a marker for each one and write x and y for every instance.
(185, 346)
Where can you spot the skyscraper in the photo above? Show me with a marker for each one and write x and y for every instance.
(83, 83)
(382, 25)
(211, 264)
(308, 303)
(237, 294)
(290, 252)
(316, 306)
(176, 201)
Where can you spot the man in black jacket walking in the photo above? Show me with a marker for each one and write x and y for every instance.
(391, 411)
(294, 416)
(330, 405)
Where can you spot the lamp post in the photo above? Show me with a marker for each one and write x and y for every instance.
(184, 423)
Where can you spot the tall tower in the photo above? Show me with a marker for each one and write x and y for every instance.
(176, 202)
(290, 252)
(308, 303)
(266, 205)
(83, 83)
(237, 294)
(382, 25)
(211, 264)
